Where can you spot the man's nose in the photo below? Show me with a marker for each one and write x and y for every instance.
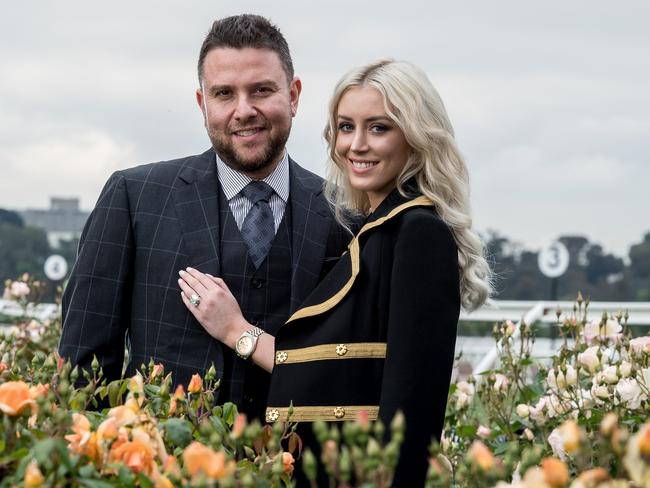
(244, 109)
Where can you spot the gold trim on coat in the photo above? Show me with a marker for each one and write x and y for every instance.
(326, 413)
(354, 257)
(357, 350)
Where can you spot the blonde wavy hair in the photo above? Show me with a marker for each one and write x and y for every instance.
(434, 162)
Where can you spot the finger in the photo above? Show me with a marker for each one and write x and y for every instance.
(196, 285)
(200, 277)
(194, 310)
(187, 289)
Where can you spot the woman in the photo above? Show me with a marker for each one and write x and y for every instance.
(378, 333)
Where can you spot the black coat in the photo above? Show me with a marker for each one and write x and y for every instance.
(378, 333)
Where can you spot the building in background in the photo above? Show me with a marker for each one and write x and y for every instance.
(63, 221)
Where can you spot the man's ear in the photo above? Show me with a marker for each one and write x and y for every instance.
(200, 99)
(294, 93)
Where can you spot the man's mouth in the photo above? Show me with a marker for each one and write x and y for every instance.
(247, 132)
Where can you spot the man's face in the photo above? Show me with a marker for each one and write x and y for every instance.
(247, 104)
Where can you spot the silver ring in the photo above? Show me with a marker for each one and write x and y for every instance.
(195, 299)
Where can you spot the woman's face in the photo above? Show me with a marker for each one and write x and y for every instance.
(371, 148)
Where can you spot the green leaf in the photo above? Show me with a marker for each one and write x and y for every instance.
(178, 432)
(125, 475)
(95, 483)
(229, 413)
(114, 395)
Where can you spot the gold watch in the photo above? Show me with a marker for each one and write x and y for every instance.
(247, 342)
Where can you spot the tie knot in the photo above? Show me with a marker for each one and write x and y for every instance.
(257, 191)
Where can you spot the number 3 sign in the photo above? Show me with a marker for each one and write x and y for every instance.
(553, 260)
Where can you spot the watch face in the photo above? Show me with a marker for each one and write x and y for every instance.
(244, 345)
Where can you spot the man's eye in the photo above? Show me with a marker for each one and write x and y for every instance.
(222, 93)
(264, 89)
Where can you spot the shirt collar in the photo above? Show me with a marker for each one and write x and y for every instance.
(233, 182)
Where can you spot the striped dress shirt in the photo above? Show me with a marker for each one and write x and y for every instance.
(233, 182)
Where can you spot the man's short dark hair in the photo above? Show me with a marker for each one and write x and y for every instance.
(247, 30)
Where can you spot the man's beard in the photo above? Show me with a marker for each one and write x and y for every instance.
(271, 153)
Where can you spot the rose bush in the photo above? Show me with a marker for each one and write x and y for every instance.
(578, 420)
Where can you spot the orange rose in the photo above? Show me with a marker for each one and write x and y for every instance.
(287, 462)
(107, 430)
(555, 472)
(83, 441)
(593, 477)
(136, 455)
(3, 367)
(481, 455)
(239, 426)
(156, 371)
(201, 459)
(15, 397)
(643, 440)
(195, 385)
(178, 394)
(33, 476)
(39, 390)
(171, 467)
(127, 413)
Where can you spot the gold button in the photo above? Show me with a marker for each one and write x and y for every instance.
(339, 412)
(272, 415)
(281, 357)
(341, 349)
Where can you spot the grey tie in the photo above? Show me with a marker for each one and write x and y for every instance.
(258, 229)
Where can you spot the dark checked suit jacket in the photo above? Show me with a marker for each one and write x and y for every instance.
(149, 222)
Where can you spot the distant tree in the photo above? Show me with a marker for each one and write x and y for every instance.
(22, 249)
(601, 266)
(639, 270)
(11, 217)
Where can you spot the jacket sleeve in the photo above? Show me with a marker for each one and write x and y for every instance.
(96, 301)
(423, 316)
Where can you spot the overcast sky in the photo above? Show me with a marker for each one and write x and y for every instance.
(550, 103)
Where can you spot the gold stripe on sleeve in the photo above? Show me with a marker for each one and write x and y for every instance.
(326, 413)
(358, 350)
(354, 256)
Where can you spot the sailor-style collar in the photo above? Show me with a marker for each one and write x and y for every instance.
(342, 277)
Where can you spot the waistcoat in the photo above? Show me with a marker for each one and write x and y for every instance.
(263, 295)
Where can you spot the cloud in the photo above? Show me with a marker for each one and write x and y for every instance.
(74, 165)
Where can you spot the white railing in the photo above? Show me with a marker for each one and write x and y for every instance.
(531, 312)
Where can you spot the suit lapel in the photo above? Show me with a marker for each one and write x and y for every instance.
(196, 198)
(311, 225)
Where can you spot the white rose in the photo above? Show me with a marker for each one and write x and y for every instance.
(19, 289)
(483, 431)
(609, 375)
(630, 393)
(461, 400)
(599, 392)
(625, 369)
(537, 412)
(523, 410)
(611, 330)
(571, 376)
(589, 358)
(465, 387)
(500, 382)
(529, 434)
(640, 344)
(556, 442)
(510, 328)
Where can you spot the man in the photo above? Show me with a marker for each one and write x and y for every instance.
(268, 240)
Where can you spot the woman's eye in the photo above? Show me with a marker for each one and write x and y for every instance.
(379, 128)
(345, 127)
